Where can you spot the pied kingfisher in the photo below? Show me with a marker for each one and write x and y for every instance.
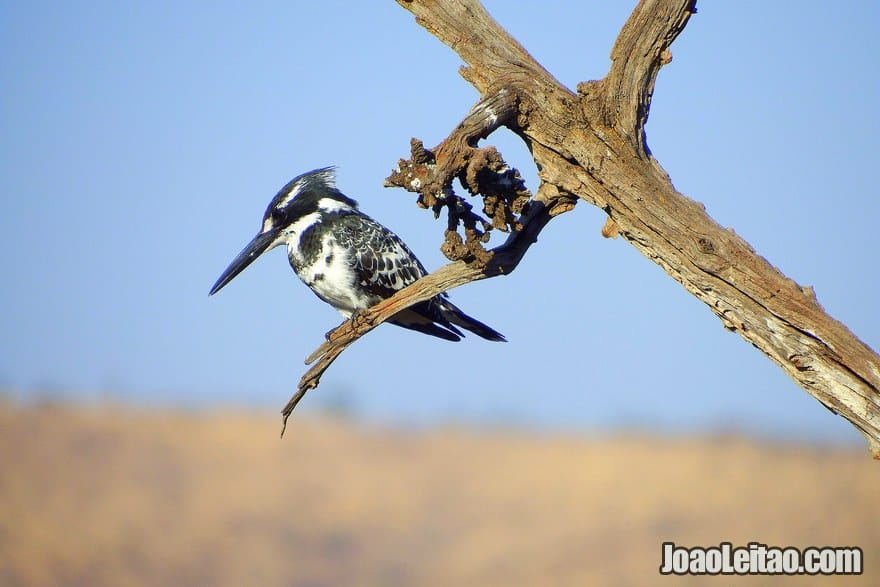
(348, 259)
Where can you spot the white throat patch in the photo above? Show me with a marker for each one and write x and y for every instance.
(293, 233)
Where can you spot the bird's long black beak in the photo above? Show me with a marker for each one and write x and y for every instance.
(259, 245)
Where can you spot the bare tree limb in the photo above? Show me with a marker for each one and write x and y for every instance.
(592, 145)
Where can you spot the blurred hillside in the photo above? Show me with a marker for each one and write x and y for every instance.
(120, 496)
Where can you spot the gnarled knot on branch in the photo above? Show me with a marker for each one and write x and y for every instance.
(481, 171)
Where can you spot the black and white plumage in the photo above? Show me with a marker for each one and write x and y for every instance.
(348, 259)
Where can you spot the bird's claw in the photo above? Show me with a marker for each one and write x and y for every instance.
(357, 319)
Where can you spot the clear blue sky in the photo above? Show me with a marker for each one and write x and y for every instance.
(142, 141)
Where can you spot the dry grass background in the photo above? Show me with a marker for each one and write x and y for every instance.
(119, 496)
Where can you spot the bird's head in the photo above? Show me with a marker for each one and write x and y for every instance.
(298, 205)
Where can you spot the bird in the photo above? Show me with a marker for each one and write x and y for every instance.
(346, 258)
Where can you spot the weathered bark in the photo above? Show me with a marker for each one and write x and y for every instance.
(592, 145)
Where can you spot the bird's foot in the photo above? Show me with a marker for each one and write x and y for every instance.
(357, 319)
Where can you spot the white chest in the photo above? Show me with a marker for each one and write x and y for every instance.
(331, 276)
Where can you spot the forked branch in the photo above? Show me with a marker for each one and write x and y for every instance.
(592, 145)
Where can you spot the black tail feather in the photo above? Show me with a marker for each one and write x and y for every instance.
(453, 314)
(439, 317)
(421, 319)
(432, 329)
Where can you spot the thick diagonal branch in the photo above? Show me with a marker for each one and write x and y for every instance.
(591, 144)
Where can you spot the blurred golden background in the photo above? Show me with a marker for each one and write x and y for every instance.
(113, 495)
(140, 146)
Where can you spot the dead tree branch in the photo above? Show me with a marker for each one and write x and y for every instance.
(592, 145)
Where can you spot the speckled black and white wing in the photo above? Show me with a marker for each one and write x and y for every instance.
(383, 264)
